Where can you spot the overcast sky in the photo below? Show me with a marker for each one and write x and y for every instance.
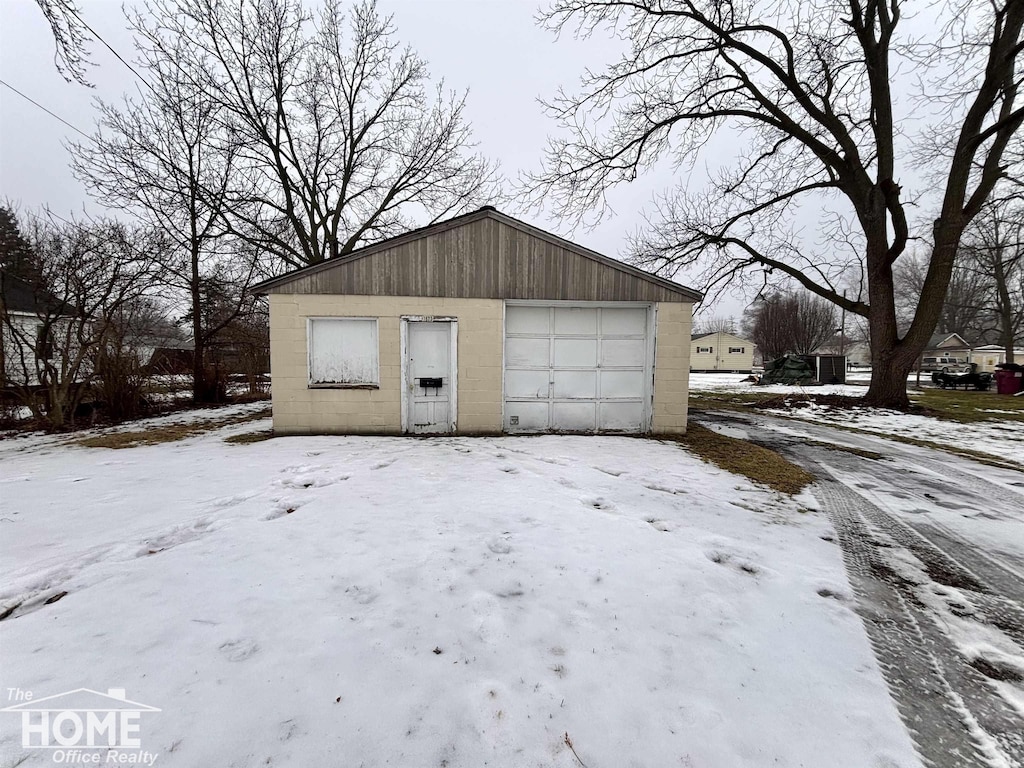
(492, 47)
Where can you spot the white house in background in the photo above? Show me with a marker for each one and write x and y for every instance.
(20, 333)
(990, 355)
(724, 352)
(945, 350)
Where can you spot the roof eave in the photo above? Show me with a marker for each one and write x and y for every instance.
(263, 288)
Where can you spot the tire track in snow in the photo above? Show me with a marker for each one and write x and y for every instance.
(992, 572)
(921, 694)
(954, 713)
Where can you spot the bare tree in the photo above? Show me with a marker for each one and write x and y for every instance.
(994, 251)
(813, 323)
(966, 308)
(243, 348)
(791, 323)
(769, 326)
(338, 124)
(168, 158)
(71, 35)
(81, 278)
(123, 376)
(716, 324)
(810, 91)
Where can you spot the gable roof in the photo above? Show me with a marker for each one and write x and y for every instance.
(482, 254)
(696, 336)
(16, 294)
(19, 295)
(938, 339)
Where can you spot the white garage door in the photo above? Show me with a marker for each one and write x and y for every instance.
(577, 368)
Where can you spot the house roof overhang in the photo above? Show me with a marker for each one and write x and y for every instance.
(269, 286)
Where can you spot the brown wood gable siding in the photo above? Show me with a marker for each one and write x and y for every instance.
(484, 259)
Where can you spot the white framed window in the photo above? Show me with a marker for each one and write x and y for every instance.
(737, 350)
(705, 350)
(343, 352)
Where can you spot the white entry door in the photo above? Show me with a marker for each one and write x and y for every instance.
(578, 368)
(430, 378)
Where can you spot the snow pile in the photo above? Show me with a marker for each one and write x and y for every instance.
(441, 602)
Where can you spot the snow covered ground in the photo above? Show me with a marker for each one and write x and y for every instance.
(1000, 439)
(735, 382)
(935, 544)
(435, 602)
(1003, 439)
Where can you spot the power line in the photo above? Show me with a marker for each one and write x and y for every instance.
(110, 47)
(47, 111)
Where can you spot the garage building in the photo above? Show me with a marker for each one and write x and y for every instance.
(478, 325)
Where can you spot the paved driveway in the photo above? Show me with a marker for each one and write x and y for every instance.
(934, 547)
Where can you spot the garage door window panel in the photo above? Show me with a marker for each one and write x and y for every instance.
(343, 352)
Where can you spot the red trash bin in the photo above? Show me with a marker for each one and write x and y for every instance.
(1009, 382)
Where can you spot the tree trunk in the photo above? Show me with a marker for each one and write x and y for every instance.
(54, 411)
(888, 387)
(890, 363)
(200, 387)
(56, 406)
(1004, 309)
(893, 358)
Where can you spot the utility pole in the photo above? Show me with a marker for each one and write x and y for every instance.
(842, 334)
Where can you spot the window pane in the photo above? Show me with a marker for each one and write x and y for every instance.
(343, 351)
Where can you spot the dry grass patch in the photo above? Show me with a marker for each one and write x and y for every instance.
(744, 458)
(949, 405)
(250, 437)
(706, 400)
(965, 416)
(969, 407)
(166, 433)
